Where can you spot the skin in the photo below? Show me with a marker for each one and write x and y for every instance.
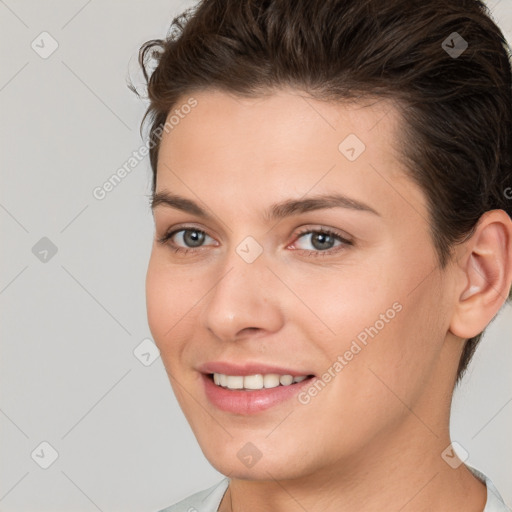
(372, 439)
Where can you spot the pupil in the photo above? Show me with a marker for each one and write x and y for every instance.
(325, 241)
(193, 238)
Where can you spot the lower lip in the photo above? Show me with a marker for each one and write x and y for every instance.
(250, 401)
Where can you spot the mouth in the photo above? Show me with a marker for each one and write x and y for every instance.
(256, 382)
(252, 394)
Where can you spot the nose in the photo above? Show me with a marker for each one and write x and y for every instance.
(244, 300)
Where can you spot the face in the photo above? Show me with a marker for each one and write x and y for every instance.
(257, 274)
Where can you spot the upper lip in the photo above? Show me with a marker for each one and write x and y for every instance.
(254, 368)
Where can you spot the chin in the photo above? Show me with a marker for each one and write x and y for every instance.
(243, 461)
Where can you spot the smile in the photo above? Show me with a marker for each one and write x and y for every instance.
(250, 394)
(257, 381)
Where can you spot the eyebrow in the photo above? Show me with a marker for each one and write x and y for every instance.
(276, 211)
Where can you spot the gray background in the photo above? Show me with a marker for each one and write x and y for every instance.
(70, 324)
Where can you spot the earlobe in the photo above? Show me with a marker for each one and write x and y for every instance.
(487, 275)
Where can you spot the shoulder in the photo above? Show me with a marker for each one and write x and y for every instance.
(207, 500)
(494, 502)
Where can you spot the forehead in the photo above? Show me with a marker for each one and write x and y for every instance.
(285, 141)
(286, 113)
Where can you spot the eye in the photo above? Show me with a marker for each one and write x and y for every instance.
(184, 239)
(321, 241)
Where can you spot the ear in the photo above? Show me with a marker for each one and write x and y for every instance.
(485, 270)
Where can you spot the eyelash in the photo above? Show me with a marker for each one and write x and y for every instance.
(344, 242)
(164, 240)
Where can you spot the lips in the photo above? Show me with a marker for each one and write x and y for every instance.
(254, 368)
(253, 401)
(249, 402)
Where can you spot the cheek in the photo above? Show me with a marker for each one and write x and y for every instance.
(375, 377)
(158, 302)
(387, 335)
(173, 303)
(167, 303)
(345, 302)
(399, 356)
(167, 319)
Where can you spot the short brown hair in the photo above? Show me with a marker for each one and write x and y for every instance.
(456, 106)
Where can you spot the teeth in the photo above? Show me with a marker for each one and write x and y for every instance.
(252, 381)
(258, 381)
(286, 380)
(235, 382)
(271, 380)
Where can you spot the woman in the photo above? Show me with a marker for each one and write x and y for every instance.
(333, 235)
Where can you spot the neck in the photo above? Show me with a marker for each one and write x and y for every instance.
(411, 476)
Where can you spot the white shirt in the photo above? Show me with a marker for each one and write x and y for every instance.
(209, 499)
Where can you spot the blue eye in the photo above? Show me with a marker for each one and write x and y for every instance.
(322, 241)
(191, 238)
